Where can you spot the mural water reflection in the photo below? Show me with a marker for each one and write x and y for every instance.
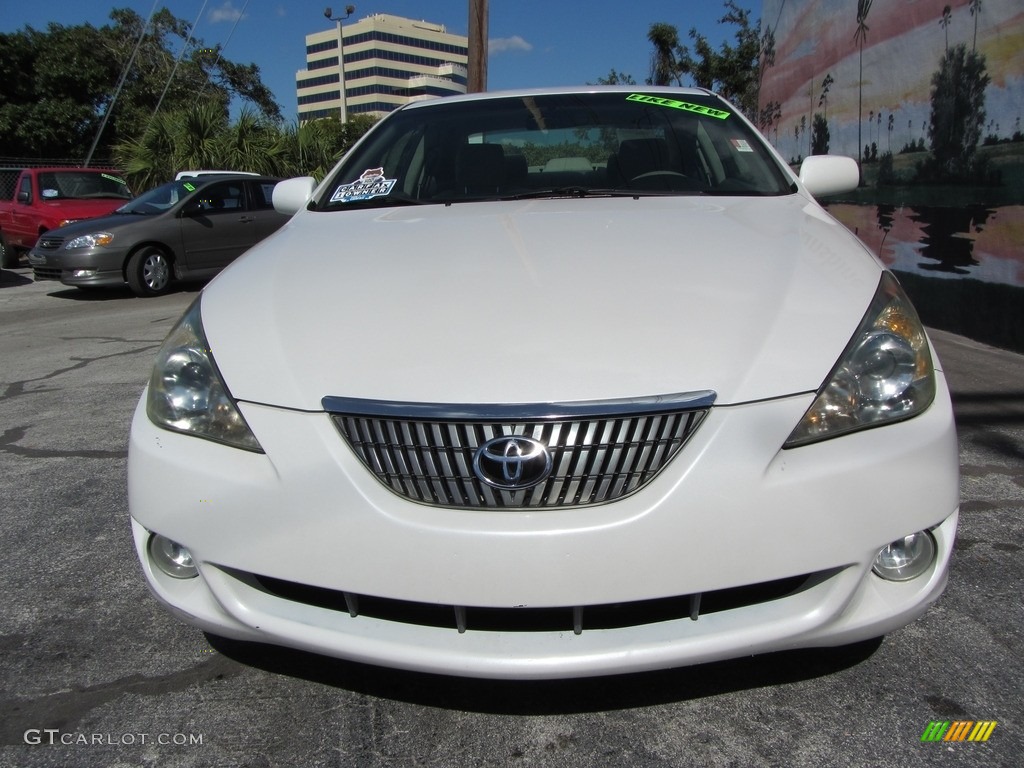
(973, 242)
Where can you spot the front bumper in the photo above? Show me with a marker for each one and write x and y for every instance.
(731, 511)
(88, 269)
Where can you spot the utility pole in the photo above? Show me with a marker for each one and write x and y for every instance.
(478, 14)
(349, 10)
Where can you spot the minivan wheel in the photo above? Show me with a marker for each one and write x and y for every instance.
(149, 272)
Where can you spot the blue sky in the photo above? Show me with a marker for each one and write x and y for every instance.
(533, 43)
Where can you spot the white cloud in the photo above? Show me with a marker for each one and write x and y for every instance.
(226, 12)
(505, 44)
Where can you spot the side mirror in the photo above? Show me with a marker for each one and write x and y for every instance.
(292, 195)
(25, 197)
(825, 175)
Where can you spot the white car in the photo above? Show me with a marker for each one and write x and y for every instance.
(550, 384)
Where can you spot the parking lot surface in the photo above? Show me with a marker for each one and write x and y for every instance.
(95, 672)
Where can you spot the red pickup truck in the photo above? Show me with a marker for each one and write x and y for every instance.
(35, 200)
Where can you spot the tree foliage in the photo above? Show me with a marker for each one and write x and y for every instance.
(734, 70)
(202, 137)
(57, 85)
(820, 135)
(958, 110)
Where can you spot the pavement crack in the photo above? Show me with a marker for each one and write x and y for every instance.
(9, 444)
(17, 388)
(64, 709)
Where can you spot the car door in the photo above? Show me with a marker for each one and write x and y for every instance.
(217, 226)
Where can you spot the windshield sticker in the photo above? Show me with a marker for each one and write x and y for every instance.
(686, 106)
(189, 187)
(118, 179)
(741, 145)
(371, 184)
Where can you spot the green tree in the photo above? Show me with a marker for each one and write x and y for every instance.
(616, 78)
(664, 67)
(58, 86)
(957, 111)
(734, 70)
(202, 137)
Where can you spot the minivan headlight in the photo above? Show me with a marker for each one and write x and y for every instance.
(186, 392)
(885, 374)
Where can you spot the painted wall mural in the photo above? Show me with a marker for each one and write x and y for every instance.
(928, 95)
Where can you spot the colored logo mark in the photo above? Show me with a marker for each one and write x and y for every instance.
(958, 730)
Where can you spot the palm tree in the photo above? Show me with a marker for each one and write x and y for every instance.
(860, 36)
(826, 85)
(975, 6)
(665, 39)
(945, 21)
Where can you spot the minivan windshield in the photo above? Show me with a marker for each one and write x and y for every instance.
(602, 143)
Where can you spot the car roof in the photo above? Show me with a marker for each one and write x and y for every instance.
(563, 90)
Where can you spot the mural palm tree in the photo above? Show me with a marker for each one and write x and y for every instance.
(945, 21)
(860, 36)
(975, 6)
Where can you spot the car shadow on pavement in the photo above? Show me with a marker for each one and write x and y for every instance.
(549, 697)
(116, 293)
(10, 279)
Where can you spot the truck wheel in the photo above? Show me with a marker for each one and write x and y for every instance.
(149, 272)
(9, 257)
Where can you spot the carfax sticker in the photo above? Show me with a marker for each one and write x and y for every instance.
(371, 184)
(661, 101)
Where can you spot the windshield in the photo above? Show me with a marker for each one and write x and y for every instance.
(159, 199)
(579, 144)
(82, 185)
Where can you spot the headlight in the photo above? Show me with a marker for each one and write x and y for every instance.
(91, 240)
(884, 375)
(186, 392)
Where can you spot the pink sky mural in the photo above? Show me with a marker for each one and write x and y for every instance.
(902, 49)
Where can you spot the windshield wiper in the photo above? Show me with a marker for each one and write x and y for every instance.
(601, 192)
(383, 201)
(572, 191)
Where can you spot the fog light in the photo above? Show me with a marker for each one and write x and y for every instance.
(83, 273)
(906, 558)
(171, 558)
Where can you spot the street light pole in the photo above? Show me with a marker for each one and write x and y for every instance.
(349, 10)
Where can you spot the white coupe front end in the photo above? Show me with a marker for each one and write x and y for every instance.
(553, 410)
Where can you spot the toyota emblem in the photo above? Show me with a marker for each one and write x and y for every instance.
(512, 462)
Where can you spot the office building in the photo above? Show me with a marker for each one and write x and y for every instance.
(388, 61)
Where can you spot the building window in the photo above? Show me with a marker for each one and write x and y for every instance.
(326, 46)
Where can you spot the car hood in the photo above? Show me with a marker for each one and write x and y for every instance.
(109, 222)
(541, 301)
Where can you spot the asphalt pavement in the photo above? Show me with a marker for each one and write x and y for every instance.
(96, 673)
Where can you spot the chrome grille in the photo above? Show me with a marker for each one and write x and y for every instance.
(600, 451)
(49, 243)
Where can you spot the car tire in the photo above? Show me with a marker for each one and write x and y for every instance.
(149, 272)
(9, 257)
